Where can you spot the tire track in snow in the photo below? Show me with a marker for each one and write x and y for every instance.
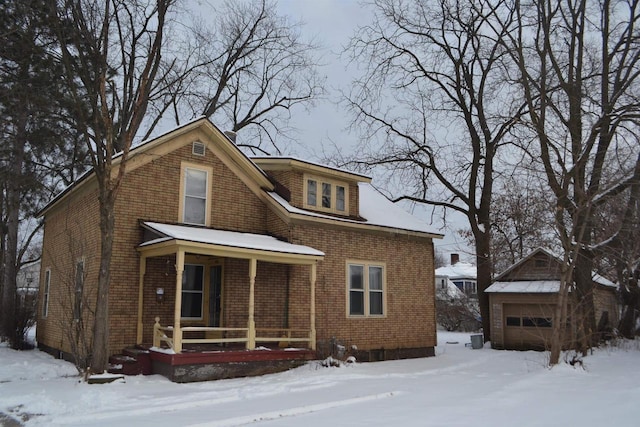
(293, 412)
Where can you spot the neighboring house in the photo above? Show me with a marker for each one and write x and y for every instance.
(462, 274)
(446, 289)
(213, 248)
(523, 298)
(27, 281)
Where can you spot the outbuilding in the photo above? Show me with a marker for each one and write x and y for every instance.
(523, 298)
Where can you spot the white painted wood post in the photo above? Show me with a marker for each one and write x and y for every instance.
(143, 270)
(177, 332)
(251, 334)
(312, 308)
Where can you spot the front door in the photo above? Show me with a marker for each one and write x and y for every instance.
(215, 295)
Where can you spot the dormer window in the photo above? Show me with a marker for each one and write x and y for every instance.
(324, 194)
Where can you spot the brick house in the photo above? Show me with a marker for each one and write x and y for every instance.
(213, 248)
(523, 298)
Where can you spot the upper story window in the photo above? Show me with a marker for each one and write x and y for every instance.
(195, 199)
(326, 195)
(469, 287)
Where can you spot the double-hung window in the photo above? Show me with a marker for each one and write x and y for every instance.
(195, 191)
(366, 289)
(192, 292)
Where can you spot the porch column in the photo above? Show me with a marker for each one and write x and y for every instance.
(251, 335)
(312, 308)
(143, 270)
(177, 332)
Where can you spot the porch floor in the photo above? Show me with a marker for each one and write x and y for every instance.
(203, 362)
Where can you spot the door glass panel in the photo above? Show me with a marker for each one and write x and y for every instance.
(215, 296)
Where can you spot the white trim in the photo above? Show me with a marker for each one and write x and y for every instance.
(46, 292)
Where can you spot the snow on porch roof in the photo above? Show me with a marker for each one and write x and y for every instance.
(226, 238)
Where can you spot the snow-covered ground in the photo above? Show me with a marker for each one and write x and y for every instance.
(458, 387)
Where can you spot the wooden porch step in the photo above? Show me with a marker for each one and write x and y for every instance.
(123, 364)
(142, 357)
(132, 361)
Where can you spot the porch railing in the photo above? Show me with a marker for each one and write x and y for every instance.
(283, 336)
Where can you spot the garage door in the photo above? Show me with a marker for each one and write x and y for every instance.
(527, 326)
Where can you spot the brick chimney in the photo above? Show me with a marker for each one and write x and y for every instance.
(455, 258)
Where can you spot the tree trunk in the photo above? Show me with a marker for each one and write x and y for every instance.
(559, 321)
(483, 260)
(100, 357)
(9, 297)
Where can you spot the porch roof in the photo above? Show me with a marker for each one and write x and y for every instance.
(231, 244)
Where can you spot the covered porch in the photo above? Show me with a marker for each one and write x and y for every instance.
(198, 323)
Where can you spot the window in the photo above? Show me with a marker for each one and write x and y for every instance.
(192, 291)
(311, 192)
(366, 284)
(536, 322)
(79, 285)
(513, 321)
(467, 286)
(340, 203)
(356, 290)
(195, 196)
(326, 195)
(470, 288)
(195, 192)
(45, 296)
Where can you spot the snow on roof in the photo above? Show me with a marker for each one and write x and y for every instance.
(450, 291)
(460, 270)
(376, 210)
(603, 281)
(227, 238)
(526, 286)
(297, 159)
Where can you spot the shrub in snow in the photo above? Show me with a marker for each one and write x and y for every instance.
(457, 313)
(336, 349)
(330, 362)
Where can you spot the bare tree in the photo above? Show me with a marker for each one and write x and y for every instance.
(249, 68)
(111, 52)
(521, 221)
(578, 71)
(434, 96)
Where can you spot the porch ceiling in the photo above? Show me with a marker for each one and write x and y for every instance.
(206, 241)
